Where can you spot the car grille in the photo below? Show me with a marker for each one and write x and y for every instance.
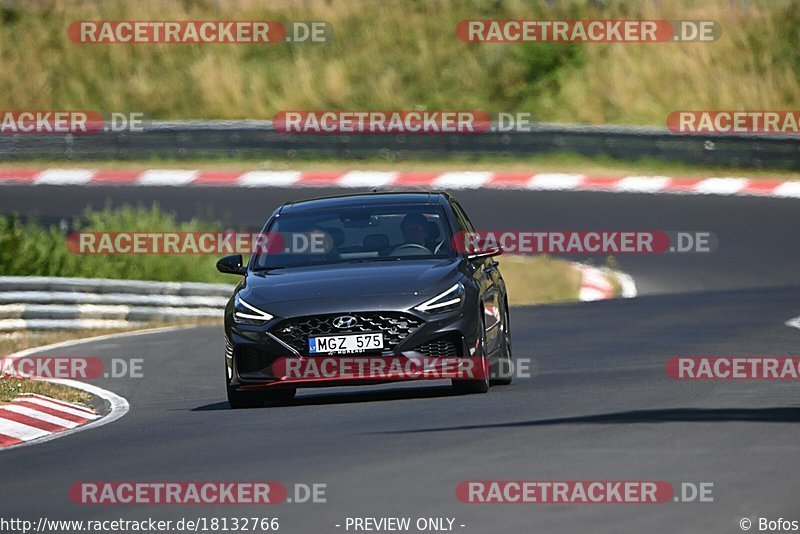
(396, 326)
(441, 347)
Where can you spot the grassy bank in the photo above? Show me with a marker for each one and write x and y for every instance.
(403, 55)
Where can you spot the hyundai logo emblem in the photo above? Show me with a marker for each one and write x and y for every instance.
(344, 321)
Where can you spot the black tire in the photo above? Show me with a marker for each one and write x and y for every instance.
(244, 399)
(466, 387)
(280, 396)
(258, 398)
(505, 367)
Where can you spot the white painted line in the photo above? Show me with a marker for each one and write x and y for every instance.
(787, 189)
(64, 177)
(642, 184)
(80, 407)
(61, 408)
(36, 414)
(366, 179)
(57, 401)
(555, 181)
(461, 180)
(721, 186)
(166, 177)
(20, 431)
(794, 323)
(269, 178)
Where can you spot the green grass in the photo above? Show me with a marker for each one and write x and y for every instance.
(28, 248)
(10, 388)
(393, 54)
(538, 279)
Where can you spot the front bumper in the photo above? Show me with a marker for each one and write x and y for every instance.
(252, 351)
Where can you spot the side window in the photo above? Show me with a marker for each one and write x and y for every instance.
(465, 229)
(462, 221)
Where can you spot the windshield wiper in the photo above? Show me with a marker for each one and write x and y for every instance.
(368, 260)
(264, 269)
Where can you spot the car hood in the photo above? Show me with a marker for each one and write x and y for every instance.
(350, 280)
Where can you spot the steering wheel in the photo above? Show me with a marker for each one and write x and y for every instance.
(411, 246)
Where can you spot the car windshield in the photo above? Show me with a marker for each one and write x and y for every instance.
(358, 235)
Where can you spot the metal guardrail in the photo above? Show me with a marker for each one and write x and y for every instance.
(41, 303)
(258, 139)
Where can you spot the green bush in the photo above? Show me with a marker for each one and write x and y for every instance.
(29, 248)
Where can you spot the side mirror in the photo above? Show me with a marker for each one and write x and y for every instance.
(484, 249)
(231, 265)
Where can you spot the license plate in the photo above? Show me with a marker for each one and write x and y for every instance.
(345, 343)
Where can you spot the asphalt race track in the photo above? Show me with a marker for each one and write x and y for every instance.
(600, 406)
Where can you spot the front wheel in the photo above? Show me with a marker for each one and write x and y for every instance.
(256, 398)
(480, 385)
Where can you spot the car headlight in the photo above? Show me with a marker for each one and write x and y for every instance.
(448, 300)
(246, 313)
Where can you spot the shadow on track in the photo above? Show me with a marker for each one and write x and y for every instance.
(672, 415)
(348, 397)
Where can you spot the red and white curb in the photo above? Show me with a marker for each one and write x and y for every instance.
(725, 186)
(117, 406)
(30, 417)
(596, 283)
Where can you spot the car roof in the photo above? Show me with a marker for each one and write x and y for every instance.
(354, 200)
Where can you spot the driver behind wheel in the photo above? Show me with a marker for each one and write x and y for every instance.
(415, 229)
